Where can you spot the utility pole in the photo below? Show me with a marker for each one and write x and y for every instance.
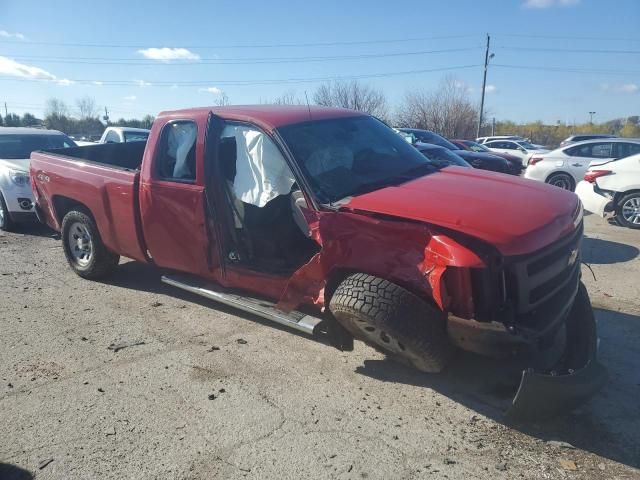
(484, 82)
(106, 115)
(591, 114)
(493, 126)
(5, 109)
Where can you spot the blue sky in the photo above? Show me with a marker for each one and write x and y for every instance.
(547, 63)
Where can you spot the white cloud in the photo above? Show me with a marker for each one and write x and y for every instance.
(628, 88)
(167, 54)
(549, 3)
(130, 98)
(14, 69)
(214, 90)
(97, 82)
(142, 83)
(5, 34)
(490, 89)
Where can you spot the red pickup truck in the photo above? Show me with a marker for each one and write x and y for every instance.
(329, 222)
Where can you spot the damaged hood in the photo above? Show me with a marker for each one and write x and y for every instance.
(515, 215)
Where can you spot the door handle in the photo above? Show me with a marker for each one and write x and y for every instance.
(576, 164)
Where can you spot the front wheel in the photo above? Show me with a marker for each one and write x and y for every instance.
(83, 247)
(393, 319)
(6, 224)
(628, 210)
(562, 180)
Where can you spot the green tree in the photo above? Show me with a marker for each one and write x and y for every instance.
(30, 120)
(1, 121)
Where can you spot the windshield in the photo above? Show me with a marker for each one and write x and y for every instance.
(136, 136)
(349, 156)
(21, 145)
(476, 147)
(441, 157)
(527, 145)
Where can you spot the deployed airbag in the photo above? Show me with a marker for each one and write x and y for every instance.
(261, 171)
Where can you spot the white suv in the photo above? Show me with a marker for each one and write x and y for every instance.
(16, 145)
(565, 166)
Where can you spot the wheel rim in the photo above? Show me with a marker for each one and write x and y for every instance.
(561, 182)
(80, 244)
(631, 210)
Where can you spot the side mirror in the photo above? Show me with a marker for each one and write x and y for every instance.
(523, 150)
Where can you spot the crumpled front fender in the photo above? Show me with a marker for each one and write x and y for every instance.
(574, 380)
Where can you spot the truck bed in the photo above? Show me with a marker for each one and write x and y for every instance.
(118, 155)
(102, 179)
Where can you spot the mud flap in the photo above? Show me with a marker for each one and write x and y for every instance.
(577, 378)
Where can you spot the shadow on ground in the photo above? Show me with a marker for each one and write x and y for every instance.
(11, 472)
(599, 252)
(609, 425)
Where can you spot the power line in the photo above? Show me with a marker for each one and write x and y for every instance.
(569, 50)
(275, 45)
(251, 82)
(569, 69)
(566, 37)
(228, 61)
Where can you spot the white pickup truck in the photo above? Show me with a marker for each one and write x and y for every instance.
(124, 135)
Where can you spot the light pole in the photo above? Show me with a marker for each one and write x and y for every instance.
(487, 57)
(591, 114)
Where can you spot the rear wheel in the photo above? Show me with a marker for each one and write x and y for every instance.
(6, 223)
(393, 319)
(83, 247)
(628, 210)
(562, 180)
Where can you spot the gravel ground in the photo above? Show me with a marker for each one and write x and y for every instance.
(202, 391)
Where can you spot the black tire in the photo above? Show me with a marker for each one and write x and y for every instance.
(562, 180)
(6, 223)
(388, 317)
(100, 262)
(630, 200)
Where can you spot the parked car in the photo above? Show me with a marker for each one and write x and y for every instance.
(565, 166)
(327, 221)
(16, 145)
(519, 148)
(482, 161)
(440, 156)
(124, 134)
(499, 137)
(613, 187)
(582, 137)
(514, 162)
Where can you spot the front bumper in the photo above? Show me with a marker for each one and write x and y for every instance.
(559, 370)
(592, 200)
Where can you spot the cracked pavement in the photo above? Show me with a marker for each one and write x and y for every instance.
(280, 405)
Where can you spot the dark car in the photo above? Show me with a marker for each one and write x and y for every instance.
(514, 162)
(441, 157)
(483, 161)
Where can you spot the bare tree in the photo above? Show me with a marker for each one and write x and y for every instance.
(447, 110)
(353, 95)
(56, 108)
(222, 100)
(288, 98)
(86, 108)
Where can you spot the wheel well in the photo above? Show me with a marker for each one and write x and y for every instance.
(337, 275)
(619, 195)
(63, 205)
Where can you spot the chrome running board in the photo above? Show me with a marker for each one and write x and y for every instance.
(263, 308)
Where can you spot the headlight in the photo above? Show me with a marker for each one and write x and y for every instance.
(19, 178)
